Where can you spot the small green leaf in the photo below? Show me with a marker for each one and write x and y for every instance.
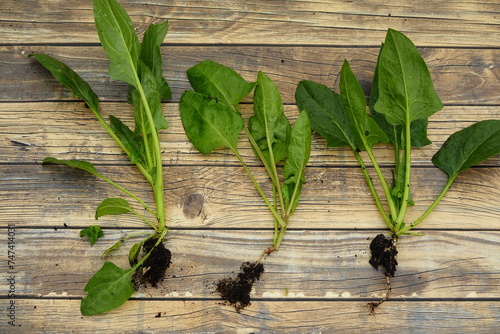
(299, 151)
(132, 141)
(220, 82)
(327, 114)
(118, 38)
(468, 147)
(134, 252)
(208, 122)
(151, 55)
(355, 105)
(112, 206)
(109, 288)
(84, 165)
(69, 78)
(406, 92)
(112, 248)
(94, 232)
(269, 123)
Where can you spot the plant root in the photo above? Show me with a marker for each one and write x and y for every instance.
(373, 305)
(384, 254)
(236, 290)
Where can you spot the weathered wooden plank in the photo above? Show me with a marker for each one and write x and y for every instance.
(461, 76)
(195, 316)
(31, 131)
(310, 264)
(224, 197)
(437, 22)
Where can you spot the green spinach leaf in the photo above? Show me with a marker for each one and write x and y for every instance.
(468, 147)
(112, 206)
(109, 288)
(208, 122)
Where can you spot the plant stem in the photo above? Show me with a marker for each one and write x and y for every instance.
(158, 181)
(160, 239)
(143, 170)
(380, 176)
(259, 189)
(147, 207)
(406, 193)
(144, 219)
(372, 189)
(431, 207)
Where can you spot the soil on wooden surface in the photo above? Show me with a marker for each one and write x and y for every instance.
(154, 267)
(236, 290)
(384, 254)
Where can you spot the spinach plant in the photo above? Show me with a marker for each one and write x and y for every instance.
(401, 100)
(211, 119)
(139, 65)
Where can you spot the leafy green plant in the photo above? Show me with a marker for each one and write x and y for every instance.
(211, 118)
(401, 100)
(139, 65)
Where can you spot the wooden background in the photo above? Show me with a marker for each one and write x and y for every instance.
(448, 280)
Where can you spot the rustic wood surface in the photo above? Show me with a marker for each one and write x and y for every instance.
(448, 280)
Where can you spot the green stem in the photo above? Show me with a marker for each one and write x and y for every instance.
(147, 207)
(144, 219)
(143, 170)
(158, 188)
(259, 189)
(406, 193)
(387, 192)
(373, 191)
(274, 176)
(431, 207)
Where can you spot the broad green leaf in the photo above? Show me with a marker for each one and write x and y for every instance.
(133, 254)
(129, 138)
(218, 81)
(355, 105)
(112, 206)
(118, 38)
(151, 55)
(468, 147)
(395, 132)
(326, 111)
(109, 288)
(84, 165)
(208, 122)
(269, 122)
(299, 151)
(406, 92)
(69, 78)
(112, 248)
(94, 232)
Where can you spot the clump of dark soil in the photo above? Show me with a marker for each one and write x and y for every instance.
(154, 267)
(384, 254)
(237, 290)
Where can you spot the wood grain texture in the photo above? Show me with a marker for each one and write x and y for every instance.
(310, 264)
(195, 316)
(320, 281)
(31, 131)
(461, 76)
(51, 196)
(331, 22)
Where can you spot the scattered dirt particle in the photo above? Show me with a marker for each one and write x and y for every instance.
(237, 290)
(158, 315)
(384, 254)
